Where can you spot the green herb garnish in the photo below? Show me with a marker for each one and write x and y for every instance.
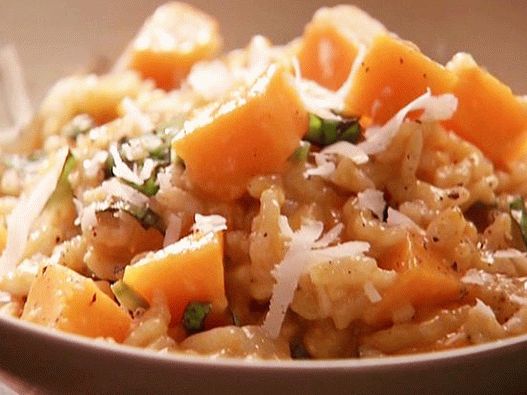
(128, 297)
(149, 187)
(301, 153)
(194, 316)
(325, 132)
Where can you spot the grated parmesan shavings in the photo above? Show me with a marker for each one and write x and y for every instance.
(121, 170)
(396, 218)
(330, 237)
(113, 187)
(27, 210)
(436, 108)
(301, 254)
(209, 223)
(373, 200)
(324, 167)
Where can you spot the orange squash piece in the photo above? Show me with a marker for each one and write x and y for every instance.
(190, 270)
(423, 280)
(63, 299)
(330, 43)
(393, 74)
(253, 132)
(175, 37)
(489, 115)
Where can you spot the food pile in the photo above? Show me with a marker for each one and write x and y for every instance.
(341, 196)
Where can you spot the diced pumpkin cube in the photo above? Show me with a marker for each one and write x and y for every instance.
(175, 37)
(190, 270)
(489, 115)
(252, 133)
(63, 299)
(330, 43)
(424, 280)
(393, 74)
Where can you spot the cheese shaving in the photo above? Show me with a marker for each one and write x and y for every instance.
(121, 170)
(113, 187)
(324, 102)
(92, 166)
(396, 218)
(347, 150)
(27, 210)
(373, 200)
(300, 255)
(324, 167)
(209, 223)
(436, 108)
(330, 237)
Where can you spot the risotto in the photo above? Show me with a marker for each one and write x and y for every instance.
(341, 196)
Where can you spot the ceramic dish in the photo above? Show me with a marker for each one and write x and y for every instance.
(64, 363)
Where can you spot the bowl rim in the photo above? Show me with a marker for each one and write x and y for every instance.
(490, 349)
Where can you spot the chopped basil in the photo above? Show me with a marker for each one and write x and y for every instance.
(325, 132)
(149, 187)
(128, 297)
(519, 223)
(194, 316)
(161, 153)
(144, 215)
(63, 189)
(300, 154)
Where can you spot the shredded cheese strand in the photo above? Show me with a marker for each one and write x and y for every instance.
(27, 210)
(300, 255)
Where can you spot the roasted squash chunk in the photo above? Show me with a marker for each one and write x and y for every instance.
(190, 270)
(393, 74)
(424, 280)
(175, 37)
(63, 299)
(489, 115)
(254, 132)
(330, 43)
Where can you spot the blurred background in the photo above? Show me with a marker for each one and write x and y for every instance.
(58, 37)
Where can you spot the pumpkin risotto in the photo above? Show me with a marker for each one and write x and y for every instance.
(341, 196)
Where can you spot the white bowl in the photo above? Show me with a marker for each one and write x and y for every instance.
(58, 37)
